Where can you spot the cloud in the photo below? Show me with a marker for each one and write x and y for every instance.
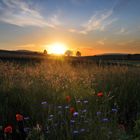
(101, 42)
(122, 31)
(20, 13)
(99, 21)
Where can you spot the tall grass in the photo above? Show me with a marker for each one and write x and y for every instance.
(39, 92)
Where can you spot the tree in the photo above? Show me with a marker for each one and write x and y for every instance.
(45, 52)
(68, 53)
(78, 53)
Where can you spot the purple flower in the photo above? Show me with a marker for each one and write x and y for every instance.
(105, 120)
(98, 113)
(114, 110)
(26, 129)
(75, 114)
(72, 121)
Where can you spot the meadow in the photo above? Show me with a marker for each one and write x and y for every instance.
(61, 101)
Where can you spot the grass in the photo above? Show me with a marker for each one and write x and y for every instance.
(39, 92)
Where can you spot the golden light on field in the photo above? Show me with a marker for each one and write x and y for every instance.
(56, 48)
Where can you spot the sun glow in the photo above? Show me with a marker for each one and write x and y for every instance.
(57, 48)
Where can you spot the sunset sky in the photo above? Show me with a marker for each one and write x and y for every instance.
(91, 26)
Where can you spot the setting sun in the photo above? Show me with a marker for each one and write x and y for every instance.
(56, 48)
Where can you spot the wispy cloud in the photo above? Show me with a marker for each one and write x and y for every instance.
(101, 42)
(100, 21)
(20, 13)
(122, 31)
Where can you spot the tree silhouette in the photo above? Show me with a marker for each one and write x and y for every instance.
(45, 52)
(68, 53)
(78, 53)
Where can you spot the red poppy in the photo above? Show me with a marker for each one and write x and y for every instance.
(8, 129)
(72, 110)
(100, 94)
(68, 99)
(19, 117)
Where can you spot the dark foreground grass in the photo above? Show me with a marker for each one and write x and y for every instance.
(103, 104)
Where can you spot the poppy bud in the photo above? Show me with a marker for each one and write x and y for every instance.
(68, 99)
(8, 129)
(72, 110)
(100, 94)
(19, 117)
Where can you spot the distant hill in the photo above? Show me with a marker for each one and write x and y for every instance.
(19, 52)
(108, 56)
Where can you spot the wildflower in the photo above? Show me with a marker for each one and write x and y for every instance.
(114, 110)
(78, 101)
(105, 120)
(68, 99)
(100, 94)
(8, 129)
(84, 111)
(72, 110)
(75, 114)
(75, 132)
(72, 121)
(51, 116)
(82, 130)
(98, 113)
(44, 102)
(59, 107)
(66, 107)
(26, 129)
(85, 102)
(26, 118)
(19, 117)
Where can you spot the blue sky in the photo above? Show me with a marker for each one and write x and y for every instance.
(92, 26)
